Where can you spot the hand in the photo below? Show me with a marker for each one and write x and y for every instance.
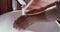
(37, 4)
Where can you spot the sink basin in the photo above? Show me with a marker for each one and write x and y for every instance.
(7, 20)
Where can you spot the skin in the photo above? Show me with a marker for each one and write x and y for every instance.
(23, 21)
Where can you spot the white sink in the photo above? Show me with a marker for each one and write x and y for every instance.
(6, 23)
